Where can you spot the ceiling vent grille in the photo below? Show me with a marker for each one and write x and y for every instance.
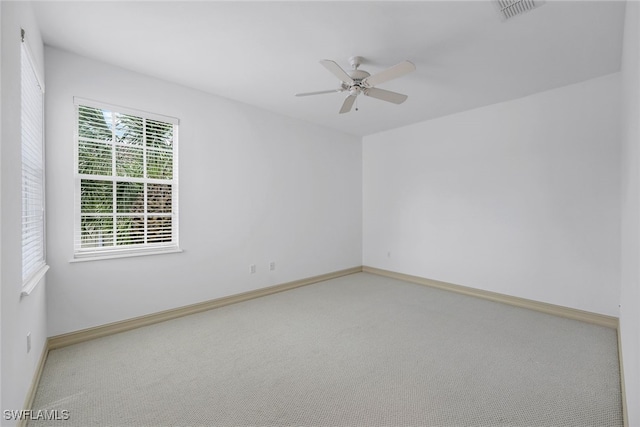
(511, 8)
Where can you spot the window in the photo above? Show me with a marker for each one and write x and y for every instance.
(32, 147)
(126, 182)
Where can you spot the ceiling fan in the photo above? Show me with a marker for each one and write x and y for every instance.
(358, 81)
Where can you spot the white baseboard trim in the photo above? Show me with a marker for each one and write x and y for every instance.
(557, 310)
(64, 340)
(31, 393)
(623, 391)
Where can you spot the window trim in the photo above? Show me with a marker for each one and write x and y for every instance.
(133, 253)
(111, 252)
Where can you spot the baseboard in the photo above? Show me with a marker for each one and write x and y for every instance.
(623, 391)
(557, 310)
(31, 393)
(137, 322)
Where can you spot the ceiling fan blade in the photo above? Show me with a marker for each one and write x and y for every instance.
(394, 72)
(337, 71)
(320, 92)
(347, 104)
(385, 95)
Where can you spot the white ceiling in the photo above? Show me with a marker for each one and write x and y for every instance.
(262, 53)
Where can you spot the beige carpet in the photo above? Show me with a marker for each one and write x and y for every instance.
(361, 350)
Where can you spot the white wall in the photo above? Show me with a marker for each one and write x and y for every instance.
(2, 60)
(630, 292)
(255, 187)
(18, 315)
(520, 198)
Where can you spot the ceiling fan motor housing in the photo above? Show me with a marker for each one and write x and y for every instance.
(358, 75)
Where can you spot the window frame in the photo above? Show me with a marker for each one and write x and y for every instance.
(32, 182)
(115, 251)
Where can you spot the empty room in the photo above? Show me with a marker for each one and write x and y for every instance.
(320, 213)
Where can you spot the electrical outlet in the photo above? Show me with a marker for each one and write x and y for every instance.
(252, 268)
(28, 342)
(272, 265)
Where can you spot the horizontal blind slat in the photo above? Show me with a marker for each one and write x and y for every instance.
(32, 159)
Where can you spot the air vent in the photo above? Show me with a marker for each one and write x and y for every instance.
(511, 8)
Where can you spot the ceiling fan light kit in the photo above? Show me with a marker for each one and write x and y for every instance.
(356, 82)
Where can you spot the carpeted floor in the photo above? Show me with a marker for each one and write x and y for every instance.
(361, 350)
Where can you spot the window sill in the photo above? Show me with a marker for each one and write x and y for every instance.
(123, 254)
(31, 284)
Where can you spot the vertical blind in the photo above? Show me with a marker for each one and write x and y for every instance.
(126, 180)
(32, 123)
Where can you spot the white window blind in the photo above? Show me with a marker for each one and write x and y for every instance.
(126, 181)
(32, 124)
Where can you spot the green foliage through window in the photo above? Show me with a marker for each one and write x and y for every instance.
(126, 179)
